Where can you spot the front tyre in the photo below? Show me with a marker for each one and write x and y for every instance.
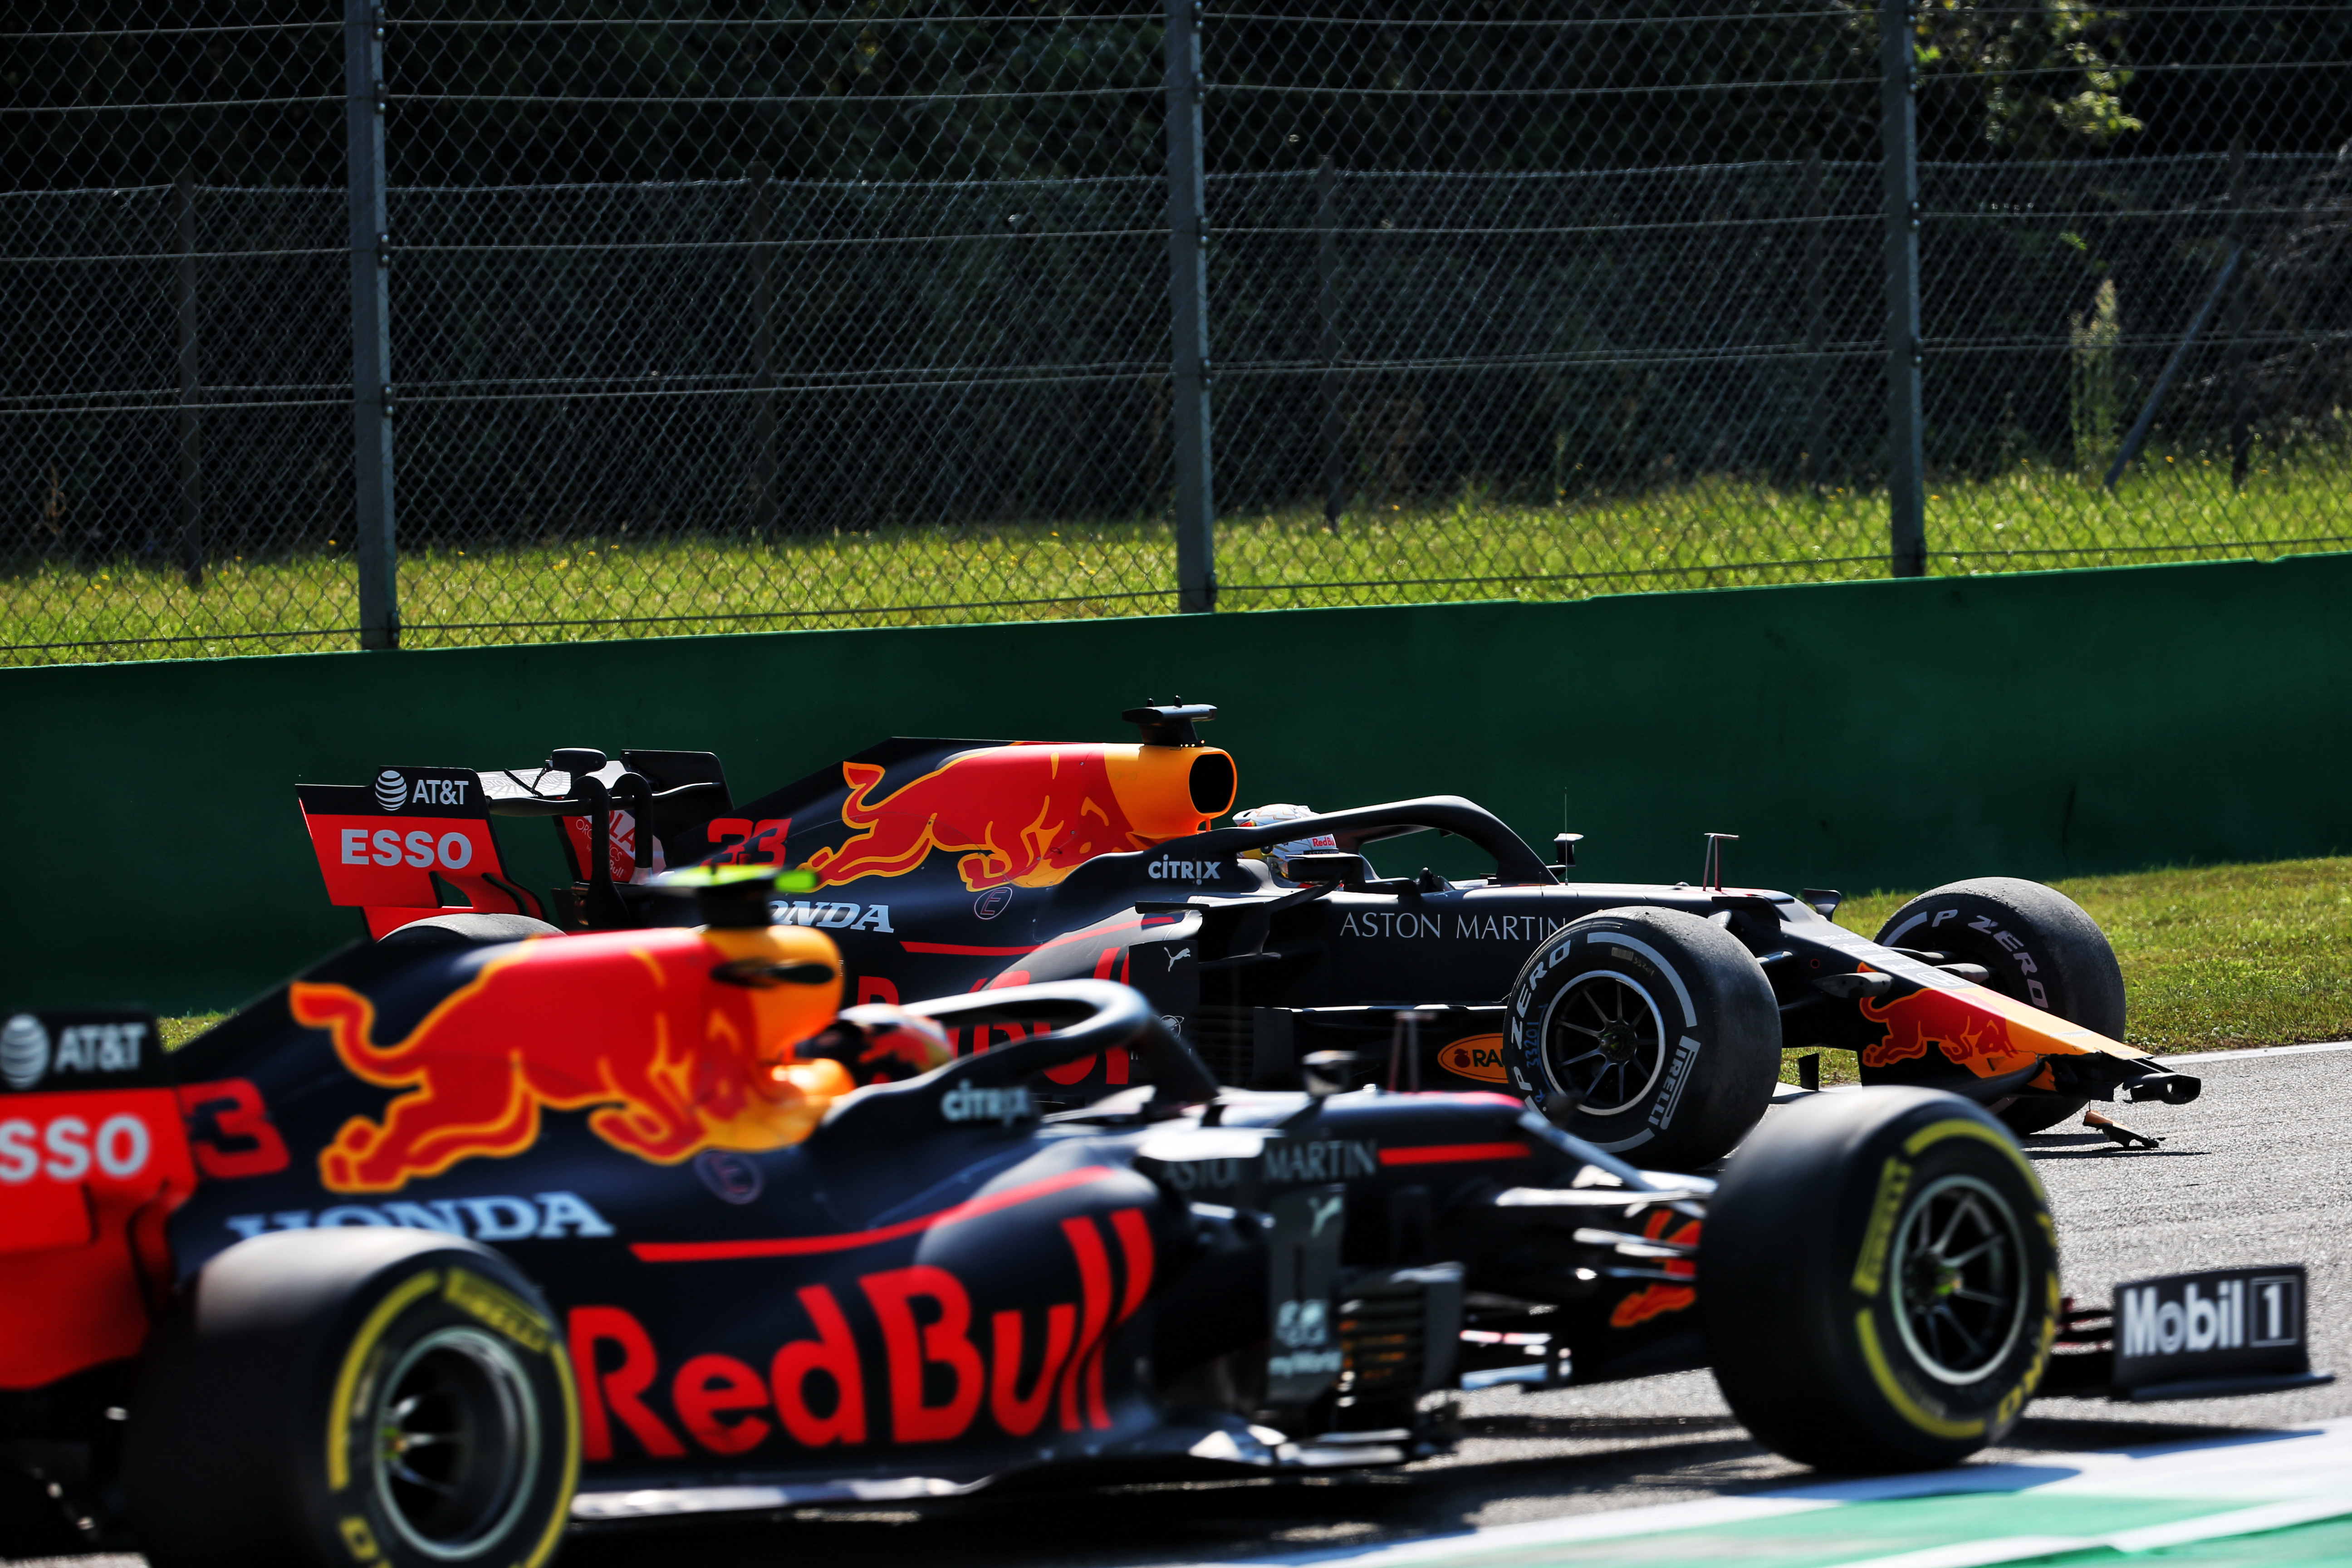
(2037, 946)
(1647, 1031)
(344, 1397)
(1878, 1283)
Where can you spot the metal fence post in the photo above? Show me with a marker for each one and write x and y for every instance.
(374, 541)
(1817, 467)
(192, 449)
(1327, 306)
(1188, 301)
(763, 365)
(2242, 433)
(1907, 487)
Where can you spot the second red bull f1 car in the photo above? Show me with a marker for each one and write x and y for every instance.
(1650, 1019)
(447, 1245)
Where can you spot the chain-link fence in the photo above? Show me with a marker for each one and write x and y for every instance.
(464, 321)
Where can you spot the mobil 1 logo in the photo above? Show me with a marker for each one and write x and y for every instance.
(2223, 1330)
(1303, 1353)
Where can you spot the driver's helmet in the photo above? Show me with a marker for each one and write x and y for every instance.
(878, 1042)
(1277, 855)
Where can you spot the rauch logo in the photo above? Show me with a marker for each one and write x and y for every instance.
(1479, 1056)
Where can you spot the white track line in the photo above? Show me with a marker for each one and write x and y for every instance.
(2263, 1051)
(1783, 1094)
(1981, 1553)
(2242, 1521)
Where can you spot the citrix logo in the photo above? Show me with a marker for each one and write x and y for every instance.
(967, 1103)
(1165, 870)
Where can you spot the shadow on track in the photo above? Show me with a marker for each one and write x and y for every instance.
(1190, 1522)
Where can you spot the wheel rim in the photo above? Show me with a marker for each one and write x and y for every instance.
(1959, 1279)
(456, 1441)
(1604, 1043)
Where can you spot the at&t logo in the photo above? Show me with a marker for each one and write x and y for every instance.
(24, 1051)
(395, 789)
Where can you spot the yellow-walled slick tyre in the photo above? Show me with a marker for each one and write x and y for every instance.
(1878, 1284)
(354, 1398)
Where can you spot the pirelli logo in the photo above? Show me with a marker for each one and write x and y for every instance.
(500, 1308)
(1870, 1269)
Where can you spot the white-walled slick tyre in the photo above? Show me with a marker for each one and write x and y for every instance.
(1649, 1032)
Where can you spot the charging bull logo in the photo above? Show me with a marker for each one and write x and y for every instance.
(628, 1025)
(1652, 1300)
(1951, 1020)
(1024, 814)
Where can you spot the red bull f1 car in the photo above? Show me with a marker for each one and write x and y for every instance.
(448, 1245)
(1650, 1020)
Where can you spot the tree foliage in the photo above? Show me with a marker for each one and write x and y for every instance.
(123, 92)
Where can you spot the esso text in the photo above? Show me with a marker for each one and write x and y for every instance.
(67, 1149)
(389, 846)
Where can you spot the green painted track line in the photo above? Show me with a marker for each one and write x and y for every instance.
(2258, 1498)
(2200, 1530)
(2329, 1543)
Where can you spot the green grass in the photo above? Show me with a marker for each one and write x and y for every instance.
(178, 1032)
(2213, 959)
(1708, 532)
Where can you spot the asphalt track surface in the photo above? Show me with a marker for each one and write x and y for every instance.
(2257, 1171)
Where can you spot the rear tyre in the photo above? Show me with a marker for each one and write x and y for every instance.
(1878, 1282)
(328, 1398)
(2038, 947)
(471, 929)
(1648, 1032)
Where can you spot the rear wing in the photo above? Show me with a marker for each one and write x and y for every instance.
(391, 848)
(94, 1157)
(420, 841)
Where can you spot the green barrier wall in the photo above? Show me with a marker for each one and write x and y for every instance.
(1854, 735)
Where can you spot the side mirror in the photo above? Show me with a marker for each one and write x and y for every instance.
(1342, 869)
(1335, 1072)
